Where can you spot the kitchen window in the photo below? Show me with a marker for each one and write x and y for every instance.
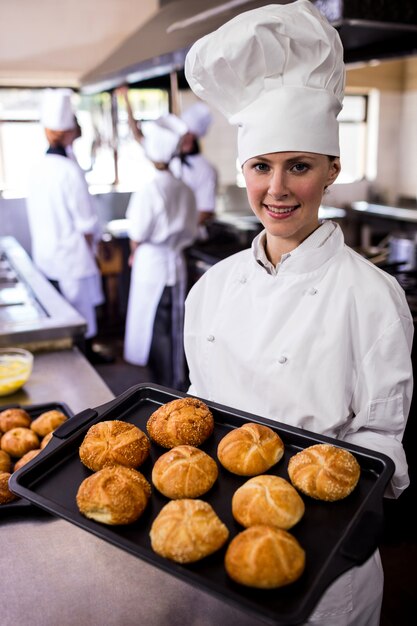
(353, 135)
(23, 141)
(106, 151)
(132, 165)
(21, 137)
(110, 155)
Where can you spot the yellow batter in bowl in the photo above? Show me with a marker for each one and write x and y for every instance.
(15, 368)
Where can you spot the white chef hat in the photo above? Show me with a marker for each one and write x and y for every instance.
(277, 73)
(198, 118)
(161, 137)
(57, 112)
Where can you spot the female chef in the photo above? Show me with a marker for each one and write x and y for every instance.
(299, 329)
(163, 221)
(63, 221)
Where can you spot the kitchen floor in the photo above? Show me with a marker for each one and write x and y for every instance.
(399, 540)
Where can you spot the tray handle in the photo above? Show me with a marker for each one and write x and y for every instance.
(364, 537)
(74, 423)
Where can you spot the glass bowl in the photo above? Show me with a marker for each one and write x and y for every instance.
(15, 368)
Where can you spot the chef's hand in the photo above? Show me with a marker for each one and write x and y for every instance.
(89, 237)
(133, 247)
(122, 91)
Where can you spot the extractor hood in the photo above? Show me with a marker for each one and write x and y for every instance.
(369, 29)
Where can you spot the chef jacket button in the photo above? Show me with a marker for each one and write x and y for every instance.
(242, 279)
(210, 337)
(312, 291)
(282, 360)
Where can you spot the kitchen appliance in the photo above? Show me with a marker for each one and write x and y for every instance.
(403, 251)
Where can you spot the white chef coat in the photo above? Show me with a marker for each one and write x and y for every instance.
(163, 219)
(323, 345)
(60, 213)
(199, 174)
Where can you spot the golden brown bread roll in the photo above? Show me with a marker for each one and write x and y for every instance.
(114, 495)
(268, 500)
(6, 495)
(185, 421)
(46, 440)
(5, 461)
(26, 458)
(114, 443)
(324, 472)
(47, 422)
(250, 450)
(187, 530)
(18, 441)
(14, 418)
(184, 472)
(264, 557)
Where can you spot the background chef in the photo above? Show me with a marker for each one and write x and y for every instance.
(192, 166)
(162, 222)
(63, 222)
(299, 328)
(188, 163)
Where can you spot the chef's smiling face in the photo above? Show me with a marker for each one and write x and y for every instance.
(285, 190)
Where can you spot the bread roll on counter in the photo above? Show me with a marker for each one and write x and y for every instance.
(26, 458)
(324, 472)
(18, 441)
(264, 557)
(114, 495)
(5, 461)
(187, 530)
(6, 495)
(14, 418)
(250, 449)
(184, 472)
(47, 422)
(46, 440)
(114, 442)
(268, 500)
(185, 421)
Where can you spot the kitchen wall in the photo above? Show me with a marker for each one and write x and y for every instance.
(408, 138)
(393, 87)
(14, 221)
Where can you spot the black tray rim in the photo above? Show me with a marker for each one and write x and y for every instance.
(22, 505)
(190, 577)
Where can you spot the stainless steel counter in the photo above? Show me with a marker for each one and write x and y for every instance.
(31, 310)
(62, 376)
(389, 212)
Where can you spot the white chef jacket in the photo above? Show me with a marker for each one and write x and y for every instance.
(60, 212)
(163, 219)
(323, 345)
(199, 174)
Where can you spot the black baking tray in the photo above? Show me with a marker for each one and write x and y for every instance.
(34, 410)
(336, 536)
